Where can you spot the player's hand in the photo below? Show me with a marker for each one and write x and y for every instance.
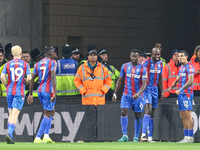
(162, 95)
(53, 98)
(136, 96)
(30, 99)
(177, 92)
(114, 98)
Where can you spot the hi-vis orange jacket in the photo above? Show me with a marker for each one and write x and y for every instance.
(170, 72)
(196, 82)
(92, 90)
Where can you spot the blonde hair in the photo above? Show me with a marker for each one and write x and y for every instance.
(16, 50)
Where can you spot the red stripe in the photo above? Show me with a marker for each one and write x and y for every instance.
(141, 73)
(155, 74)
(14, 91)
(126, 89)
(9, 76)
(49, 78)
(148, 71)
(40, 88)
(22, 84)
(180, 78)
(133, 81)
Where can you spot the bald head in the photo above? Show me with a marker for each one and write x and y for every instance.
(16, 50)
(155, 54)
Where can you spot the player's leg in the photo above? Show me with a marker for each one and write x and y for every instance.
(138, 108)
(43, 123)
(138, 123)
(46, 138)
(185, 128)
(125, 106)
(185, 107)
(190, 124)
(154, 106)
(9, 101)
(145, 123)
(9, 117)
(17, 104)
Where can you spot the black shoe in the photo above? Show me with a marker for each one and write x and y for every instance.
(9, 139)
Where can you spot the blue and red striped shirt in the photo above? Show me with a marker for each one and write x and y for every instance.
(184, 72)
(153, 71)
(43, 70)
(133, 76)
(16, 70)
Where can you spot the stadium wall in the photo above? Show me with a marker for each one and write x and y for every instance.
(73, 122)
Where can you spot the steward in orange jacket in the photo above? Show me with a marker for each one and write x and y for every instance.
(170, 72)
(196, 63)
(92, 80)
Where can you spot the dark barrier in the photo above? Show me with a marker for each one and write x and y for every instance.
(87, 123)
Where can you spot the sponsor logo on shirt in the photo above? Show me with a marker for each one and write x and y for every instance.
(155, 71)
(133, 76)
(182, 74)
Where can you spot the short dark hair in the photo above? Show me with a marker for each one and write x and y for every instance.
(134, 51)
(24, 52)
(183, 51)
(48, 48)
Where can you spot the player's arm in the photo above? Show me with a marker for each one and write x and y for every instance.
(144, 85)
(160, 81)
(53, 80)
(30, 97)
(174, 84)
(3, 79)
(28, 79)
(188, 84)
(118, 86)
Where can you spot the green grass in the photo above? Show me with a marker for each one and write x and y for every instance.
(101, 146)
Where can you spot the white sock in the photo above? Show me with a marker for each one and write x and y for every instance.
(46, 136)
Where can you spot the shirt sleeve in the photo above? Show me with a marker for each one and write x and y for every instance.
(190, 69)
(122, 72)
(161, 67)
(28, 71)
(144, 74)
(4, 69)
(54, 65)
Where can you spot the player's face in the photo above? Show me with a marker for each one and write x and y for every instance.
(92, 57)
(1, 57)
(155, 55)
(175, 57)
(141, 59)
(134, 57)
(104, 57)
(76, 56)
(182, 58)
(26, 57)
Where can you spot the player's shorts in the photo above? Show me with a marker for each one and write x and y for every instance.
(151, 96)
(15, 101)
(128, 101)
(45, 99)
(185, 102)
